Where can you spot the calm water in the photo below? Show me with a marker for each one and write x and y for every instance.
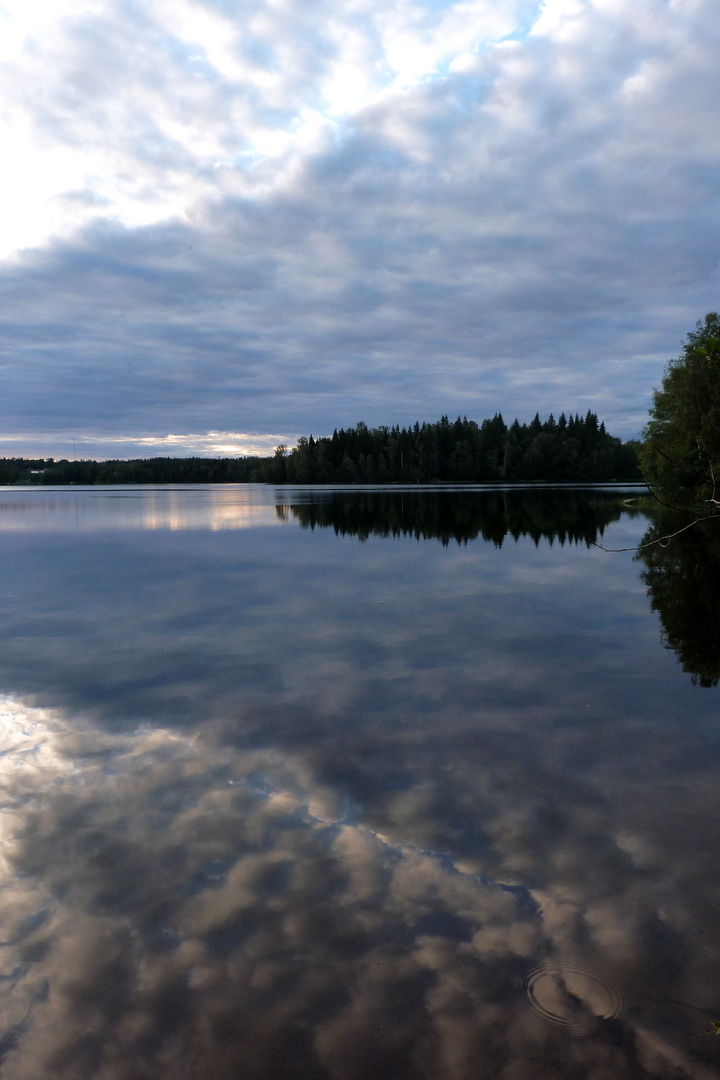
(355, 784)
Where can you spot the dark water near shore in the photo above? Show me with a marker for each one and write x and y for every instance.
(352, 784)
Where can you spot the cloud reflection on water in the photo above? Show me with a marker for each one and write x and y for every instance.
(107, 509)
(170, 908)
(306, 807)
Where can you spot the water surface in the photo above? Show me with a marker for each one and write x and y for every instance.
(351, 784)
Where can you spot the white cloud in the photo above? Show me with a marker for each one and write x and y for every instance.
(556, 17)
(293, 218)
(131, 106)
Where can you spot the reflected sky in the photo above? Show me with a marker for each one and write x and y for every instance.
(74, 509)
(278, 802)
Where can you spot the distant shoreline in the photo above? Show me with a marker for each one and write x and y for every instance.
(437, 485)
(569, 450)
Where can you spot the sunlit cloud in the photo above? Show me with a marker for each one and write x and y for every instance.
(213, 444)
(216, 443)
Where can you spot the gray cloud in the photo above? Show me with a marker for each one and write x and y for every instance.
(238, 918)
(534, 229)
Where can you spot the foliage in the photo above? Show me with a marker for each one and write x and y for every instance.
(569, 450)
(680, 456)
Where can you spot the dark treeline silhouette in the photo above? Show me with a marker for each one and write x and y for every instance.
(566, 516)
(568, 450)
(683, 581)
(159, 470)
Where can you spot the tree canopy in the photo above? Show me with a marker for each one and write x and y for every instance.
(572, 449)
(680, 456)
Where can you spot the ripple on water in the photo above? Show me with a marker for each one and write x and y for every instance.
(572, 997)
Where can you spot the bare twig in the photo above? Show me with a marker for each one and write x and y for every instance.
(667, 456)
(714, 1030)
(662, 540)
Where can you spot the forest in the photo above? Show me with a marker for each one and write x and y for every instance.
(568, 450)
(158, 470)
(571, 449)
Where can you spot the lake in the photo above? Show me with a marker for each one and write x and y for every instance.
(344, 784)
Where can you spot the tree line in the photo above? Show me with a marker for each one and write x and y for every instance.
(572, 449)
(568, 450)
(158, 470)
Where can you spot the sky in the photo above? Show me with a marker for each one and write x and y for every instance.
(224, 225)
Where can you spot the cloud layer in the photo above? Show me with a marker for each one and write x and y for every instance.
(275, 218)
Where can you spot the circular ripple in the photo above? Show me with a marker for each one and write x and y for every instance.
(572, 997)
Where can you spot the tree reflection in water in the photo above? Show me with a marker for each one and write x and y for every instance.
(683, 578)
(683, 581)
(568, 516)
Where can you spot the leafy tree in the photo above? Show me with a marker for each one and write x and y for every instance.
(680, 456)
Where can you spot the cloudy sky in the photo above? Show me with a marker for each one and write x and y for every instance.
(225, 224)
